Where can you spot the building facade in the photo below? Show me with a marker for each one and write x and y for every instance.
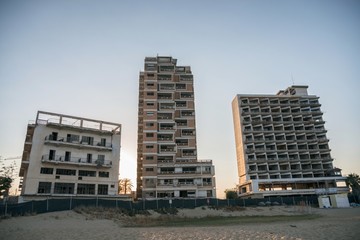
(68, 156)
(281, 145)
(167, 164)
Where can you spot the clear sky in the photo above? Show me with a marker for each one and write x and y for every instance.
(83, 58)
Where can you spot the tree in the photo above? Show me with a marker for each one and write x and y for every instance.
(6, 178)
(353, 181)
(125, 186)
(230, 194)
(5, 185)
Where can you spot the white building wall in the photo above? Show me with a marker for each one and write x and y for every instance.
(39, 159)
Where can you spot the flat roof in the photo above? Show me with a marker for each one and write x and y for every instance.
(43, 117)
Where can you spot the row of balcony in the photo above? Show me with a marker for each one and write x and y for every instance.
(184, 161)
(293, 104)
(296, 122)
(316, 130)
(266, 176)
(295, 149)
(168, 96)
(183, 172)
(259, 170)
(63, 159)
(71, 141)
(285, 139)
(292, 160)
(179, 184)
(282, 113)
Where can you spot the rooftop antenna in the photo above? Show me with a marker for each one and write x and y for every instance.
(292, 79)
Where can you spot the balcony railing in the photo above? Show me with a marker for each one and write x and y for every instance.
(57, 159)
(71, 140)
(167, 150)
(167, 128)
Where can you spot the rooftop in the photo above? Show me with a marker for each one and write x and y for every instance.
(62, 120)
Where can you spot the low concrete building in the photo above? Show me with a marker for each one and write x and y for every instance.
(70, 156)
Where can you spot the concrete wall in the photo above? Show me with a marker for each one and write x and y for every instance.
(40, 148)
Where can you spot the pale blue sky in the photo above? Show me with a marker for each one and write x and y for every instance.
(83, 58)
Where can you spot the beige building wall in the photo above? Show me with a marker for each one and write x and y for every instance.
(281, 145)
(167, 164)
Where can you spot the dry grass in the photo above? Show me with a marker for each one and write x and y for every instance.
(167, 217)
(214, 221)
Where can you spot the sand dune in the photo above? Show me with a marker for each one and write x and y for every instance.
(334, 224)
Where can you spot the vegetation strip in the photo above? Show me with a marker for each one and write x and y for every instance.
(173, 221)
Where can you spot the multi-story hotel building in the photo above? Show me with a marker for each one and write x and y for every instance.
(281, 145)
(66, 155)
(167, 164)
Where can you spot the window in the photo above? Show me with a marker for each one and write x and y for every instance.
(149, 113)
(149, 135)
(44, 187)
(86, 188)
(103, 142)
(64, 188)
(104, 174)
(149, 146)
(150, 104)
(149, 158)
(87, 173)
(67, 156)
(72, 138)
(87, 140)
(103, 189)
(89, 158)
(46, 170)
(60, 171)
(150, 93)
(101, 159)
(54, 136)
(149, 169)
(52, 155)
(150, 84)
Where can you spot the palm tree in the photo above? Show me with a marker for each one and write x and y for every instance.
(125, 186)
(353, 181)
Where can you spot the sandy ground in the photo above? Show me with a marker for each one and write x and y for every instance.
(334, 224)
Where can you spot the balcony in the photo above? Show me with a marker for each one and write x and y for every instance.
(164, 138)
(186, 77)
(186, 95)
(188, 133)
(168, 149)
(71, 142)
(164, 77)
(166, 128)
(62, 159)
(164, 96)
(186, 184)
(187, 113)
(189, 152)
(166, 106)
(166, 68)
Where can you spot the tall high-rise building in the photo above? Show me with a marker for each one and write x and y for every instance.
(167, 164)
(281, 145)
(67, 156)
